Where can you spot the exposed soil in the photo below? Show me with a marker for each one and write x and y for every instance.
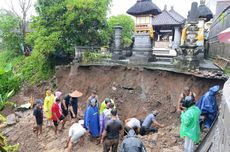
(136, 92)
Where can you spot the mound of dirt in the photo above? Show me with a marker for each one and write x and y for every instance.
(136, 93)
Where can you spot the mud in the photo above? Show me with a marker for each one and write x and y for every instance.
(136, 92)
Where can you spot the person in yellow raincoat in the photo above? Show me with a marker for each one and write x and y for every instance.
(48, 102)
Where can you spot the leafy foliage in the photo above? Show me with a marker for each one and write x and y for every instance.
(127, 24)
(93, 56)
(9, 83)
(63, 24)
(5, 147)
(9, 24)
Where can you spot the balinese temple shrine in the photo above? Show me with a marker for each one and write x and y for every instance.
(168, 26)
(155, 28)
(144, 11)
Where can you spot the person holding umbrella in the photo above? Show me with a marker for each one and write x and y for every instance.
(74, 103)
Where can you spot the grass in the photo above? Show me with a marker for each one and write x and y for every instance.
(33, 69)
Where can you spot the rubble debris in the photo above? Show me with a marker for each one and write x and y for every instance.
(11, 119)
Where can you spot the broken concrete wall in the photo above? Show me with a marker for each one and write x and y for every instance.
(218, 139)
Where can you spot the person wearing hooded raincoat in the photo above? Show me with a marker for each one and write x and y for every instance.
(104, 104)
(189, 128)
(91, 119)
(105, 116)
(132, 144)
(208, 106)
(48, 102)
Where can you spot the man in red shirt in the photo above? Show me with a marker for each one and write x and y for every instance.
(56, 115)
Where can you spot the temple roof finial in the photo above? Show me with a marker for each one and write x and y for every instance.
(202, 2)
(165, 7)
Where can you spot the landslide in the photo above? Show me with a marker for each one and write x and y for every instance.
(136, 91)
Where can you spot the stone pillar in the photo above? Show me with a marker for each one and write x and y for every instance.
(117, 52)
(177, 37)
(117, 39)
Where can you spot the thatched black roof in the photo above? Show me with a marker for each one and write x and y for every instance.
(205, 12)
(168, 18)
(143, 7)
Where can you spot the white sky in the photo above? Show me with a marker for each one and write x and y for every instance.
(121, 6)
(181, 6)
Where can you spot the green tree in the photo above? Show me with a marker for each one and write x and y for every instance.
(127, 24)
(9, 34)
(63, 24)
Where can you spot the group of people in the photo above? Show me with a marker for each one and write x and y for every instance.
(101, 120)
(196, 115)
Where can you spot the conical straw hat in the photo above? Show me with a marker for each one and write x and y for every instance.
(76, 94)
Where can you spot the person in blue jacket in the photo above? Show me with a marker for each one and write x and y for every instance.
(208, 106)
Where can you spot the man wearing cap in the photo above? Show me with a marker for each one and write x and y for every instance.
(76, 133)
(146, 127)
(38, 117)
(190, 129)
(208, 106)
(74, 103)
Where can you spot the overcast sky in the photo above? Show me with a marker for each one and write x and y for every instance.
(121, 6)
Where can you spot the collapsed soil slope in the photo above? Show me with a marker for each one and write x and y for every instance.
(136, 93)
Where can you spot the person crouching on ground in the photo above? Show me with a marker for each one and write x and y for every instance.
(190, 129)
(110, 136)
(38, 118)
(76, 134)
(147, 127)
(56, 116)
(132, 144)
(132, 123)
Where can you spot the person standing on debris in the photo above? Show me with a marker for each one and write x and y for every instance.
(190, 129)
(74, 103)
(110, 136)
(104, 103)
(132, 123)
(76, 134)
(186, 92)
(38, 117)
(105, 116)
(91, 119)
(132, 144)
(65, 106)
(93, 96)
(208, 106)
(48, 102)
(56, 116)
(146, 127)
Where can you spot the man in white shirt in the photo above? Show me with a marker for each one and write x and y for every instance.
(132, 123)
(76, 133)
